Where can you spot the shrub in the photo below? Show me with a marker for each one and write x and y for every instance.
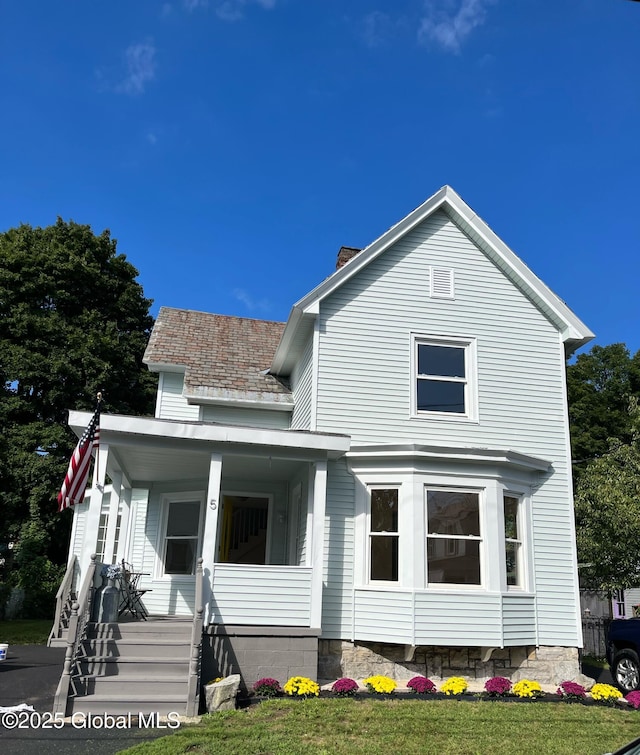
(633, 698)
(527, 688)
(421, 685)
(605, 693)
(345, 687)
(301, 686)
(497, 686)
(571, 691)
(381, 685)
(456, 685)
(267, 687)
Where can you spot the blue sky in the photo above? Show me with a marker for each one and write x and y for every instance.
(232, 146)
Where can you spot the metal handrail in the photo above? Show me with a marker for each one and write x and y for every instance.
(63, 599)
(80, 616)
(195, 653)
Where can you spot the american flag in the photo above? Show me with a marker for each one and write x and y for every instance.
(75, 481)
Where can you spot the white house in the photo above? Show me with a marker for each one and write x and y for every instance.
(382, 484)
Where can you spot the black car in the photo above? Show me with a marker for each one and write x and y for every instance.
(623, 653)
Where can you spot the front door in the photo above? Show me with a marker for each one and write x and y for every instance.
(243, 539)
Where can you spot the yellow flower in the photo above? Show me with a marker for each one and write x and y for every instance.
(302, 686)
(383, 685)
(527, 688)
(605, 692)
(456, 685)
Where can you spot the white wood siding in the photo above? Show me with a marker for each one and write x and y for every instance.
(364, 383)
(458, 619)
(261, 595)
(383, 616)
(337, 603)
(301, 385)
(171, 404)
(233, 415)
(631, 599)
(519, 620)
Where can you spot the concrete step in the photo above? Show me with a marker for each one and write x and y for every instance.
(175, 687)
(154, 629)
(142, 647)
(119, 704)
(137, 666)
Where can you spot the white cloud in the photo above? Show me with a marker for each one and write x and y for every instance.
(233, 10)
(375, 28)
(140, 60)
(192, 5)
(448, 23)
(262, 305)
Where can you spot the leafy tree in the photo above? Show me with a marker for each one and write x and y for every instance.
(600, 385)
(73, 321)
(607, 507)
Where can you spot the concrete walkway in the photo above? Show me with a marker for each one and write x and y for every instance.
(30, 675)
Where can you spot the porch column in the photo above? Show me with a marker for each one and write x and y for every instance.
(90, 539)
(318, 502)
(210, 532)
(114, 505)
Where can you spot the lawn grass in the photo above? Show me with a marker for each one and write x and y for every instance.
(436, 727)
(25, 631)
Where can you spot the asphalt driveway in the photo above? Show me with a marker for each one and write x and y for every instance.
(30, 675)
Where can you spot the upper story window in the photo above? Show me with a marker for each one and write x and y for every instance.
(444, 377)
(453, 537)
(383, 534)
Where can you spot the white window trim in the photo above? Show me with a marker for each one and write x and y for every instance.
(369, 534)
(165, 500)
(471, 379)
(482, 538)
(526, 539)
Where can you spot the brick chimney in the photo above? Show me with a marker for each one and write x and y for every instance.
(345, 254)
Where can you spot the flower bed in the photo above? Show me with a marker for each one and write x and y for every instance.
(497, 688)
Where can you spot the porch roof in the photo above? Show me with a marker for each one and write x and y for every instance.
(147, 448)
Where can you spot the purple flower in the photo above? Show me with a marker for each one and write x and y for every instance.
(345, 687)
(571, 691)
(633, 698)
(497, 685)
(267, 687)
(421, 685)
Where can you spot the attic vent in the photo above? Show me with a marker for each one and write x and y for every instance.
(441, 283)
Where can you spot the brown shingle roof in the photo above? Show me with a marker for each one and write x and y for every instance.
(224, 356)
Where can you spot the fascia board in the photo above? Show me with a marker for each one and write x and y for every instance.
(288, 335)
(166, 367)
(415, 452)
(284, 405)
(149, 427)
(568, 323)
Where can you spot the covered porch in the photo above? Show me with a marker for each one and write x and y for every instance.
(249, 501)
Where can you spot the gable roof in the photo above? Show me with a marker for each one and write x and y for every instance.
(574, 332)
(223, 358)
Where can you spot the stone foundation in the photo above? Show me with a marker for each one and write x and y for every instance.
(546, 665)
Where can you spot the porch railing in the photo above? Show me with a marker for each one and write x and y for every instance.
(195, 653)
(77, 630)
(64, 600)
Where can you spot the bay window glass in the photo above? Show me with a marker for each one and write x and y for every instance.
(513, 541)
(383, 534)
(453, 537)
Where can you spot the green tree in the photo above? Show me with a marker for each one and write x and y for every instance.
(607, 508)
(73, 321)
(600, 385)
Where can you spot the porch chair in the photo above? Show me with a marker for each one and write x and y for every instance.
(131, 594)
